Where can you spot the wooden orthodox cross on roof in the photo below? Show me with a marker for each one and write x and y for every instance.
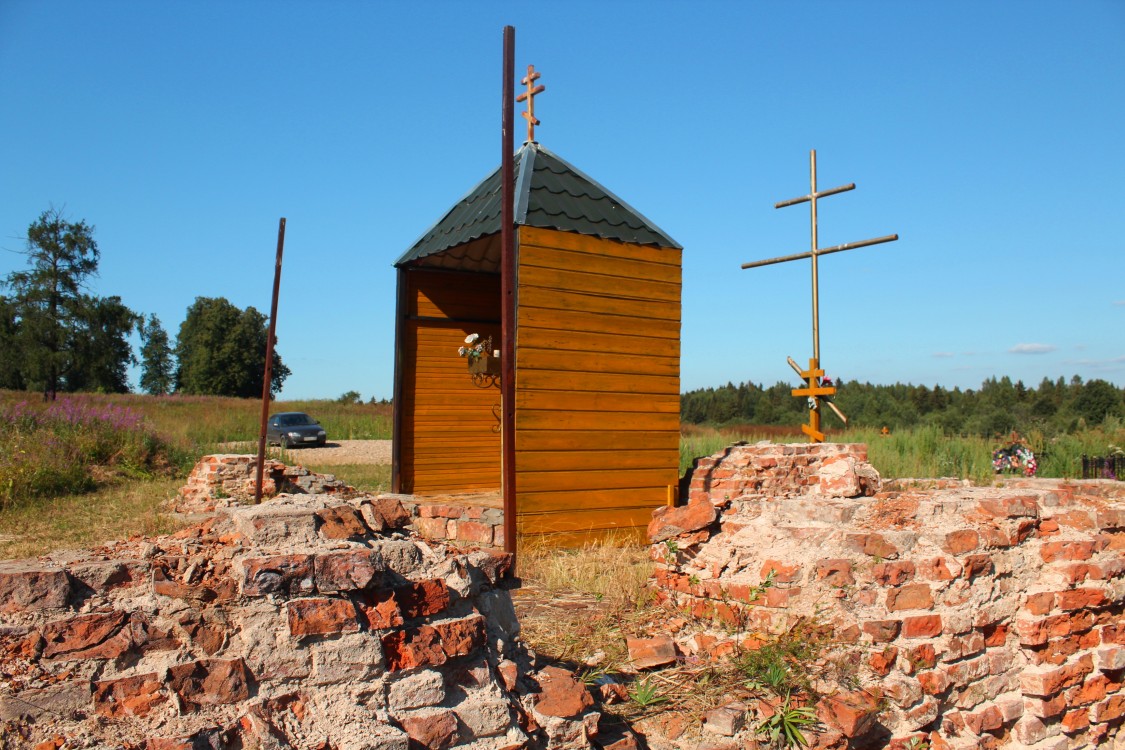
(815, 389)
(529, 96)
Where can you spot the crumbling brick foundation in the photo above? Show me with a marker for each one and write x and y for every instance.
(986, 616)
(309, 621)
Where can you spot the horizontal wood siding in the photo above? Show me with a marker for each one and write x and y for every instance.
(448, 443)
(598, 383)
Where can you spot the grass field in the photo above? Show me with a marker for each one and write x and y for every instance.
(92, 467)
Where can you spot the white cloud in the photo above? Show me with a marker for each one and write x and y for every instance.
(943, 355)
(1031, 349)
(1119, 303)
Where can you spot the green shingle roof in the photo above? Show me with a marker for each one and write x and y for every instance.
(550, 194)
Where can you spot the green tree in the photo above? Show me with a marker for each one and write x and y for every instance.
(100, 350)
(157, 367)
(10, 376)
(66, 339)
(221, 351)
(1096, 400)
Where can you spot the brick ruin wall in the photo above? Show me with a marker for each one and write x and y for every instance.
(309, 621)
(984, 616)
(228, 480)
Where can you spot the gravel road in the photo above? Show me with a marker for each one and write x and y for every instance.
(336, 452)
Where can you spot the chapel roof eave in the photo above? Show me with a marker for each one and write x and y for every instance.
(550, 194)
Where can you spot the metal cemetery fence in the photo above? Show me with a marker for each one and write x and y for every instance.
(1104, 467)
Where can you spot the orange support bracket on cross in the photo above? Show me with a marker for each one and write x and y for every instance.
(813, 391)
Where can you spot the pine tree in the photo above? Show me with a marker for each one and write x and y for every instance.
(157, 366)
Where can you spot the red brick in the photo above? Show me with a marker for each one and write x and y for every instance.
(1040, 604)
(413, 647)
(1051, 681)
(853, 712)
(835, 572)
(1043, 708)
(1052, 551)
(341, 522)
(995, 634)
(1091, 691)
(782, 573)
(214, 586)
(422, 598)
(460, 637)
(387, 513)
(210, 682)
(321, 616)
(440, 511)
(670, 522)
(1111, 709)
(874, 545)
(911, 596)
(493, 563)
(882, 631)
(291, 575)
(349, 570)
(1076, 720)
(934, 682)
(432, 729)
(939, 569)
(26, 585)
(961, 541)
(892, 573)
(561, 694)
(128, 696)
(432, 528)
(1010, 507)
(921, 657)
(379, 610)
(651, 652)
(923, 626)
(1080, 598)
(473, 531)
(882, 662)
(976, 565)
(988, 719)
(96, 636)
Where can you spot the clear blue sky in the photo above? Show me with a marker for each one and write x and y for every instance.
(987, 134)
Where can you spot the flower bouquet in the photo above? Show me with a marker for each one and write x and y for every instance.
(1014, 459)
(480, 355)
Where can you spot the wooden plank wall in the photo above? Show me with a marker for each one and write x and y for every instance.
(598, 383)
(448, 443)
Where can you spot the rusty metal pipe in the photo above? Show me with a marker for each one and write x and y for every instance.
(269, 363)
(508, 297)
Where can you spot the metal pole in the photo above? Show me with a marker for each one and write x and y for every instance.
(822, 251)
(508, 299)
(815, 285)
(269, 362)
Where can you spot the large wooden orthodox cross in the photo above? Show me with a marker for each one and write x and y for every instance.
(815, 390)
(529, 96)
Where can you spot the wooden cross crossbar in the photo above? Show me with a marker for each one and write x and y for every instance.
(529, 96)
(813, 389)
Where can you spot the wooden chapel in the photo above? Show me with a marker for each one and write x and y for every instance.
(597, 354)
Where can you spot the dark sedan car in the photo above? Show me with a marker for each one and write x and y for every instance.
(292, 428)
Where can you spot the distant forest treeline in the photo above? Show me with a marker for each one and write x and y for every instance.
(996, 408)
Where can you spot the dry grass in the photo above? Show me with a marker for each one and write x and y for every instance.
(118, 511)
(593, 597)
(372, 478)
